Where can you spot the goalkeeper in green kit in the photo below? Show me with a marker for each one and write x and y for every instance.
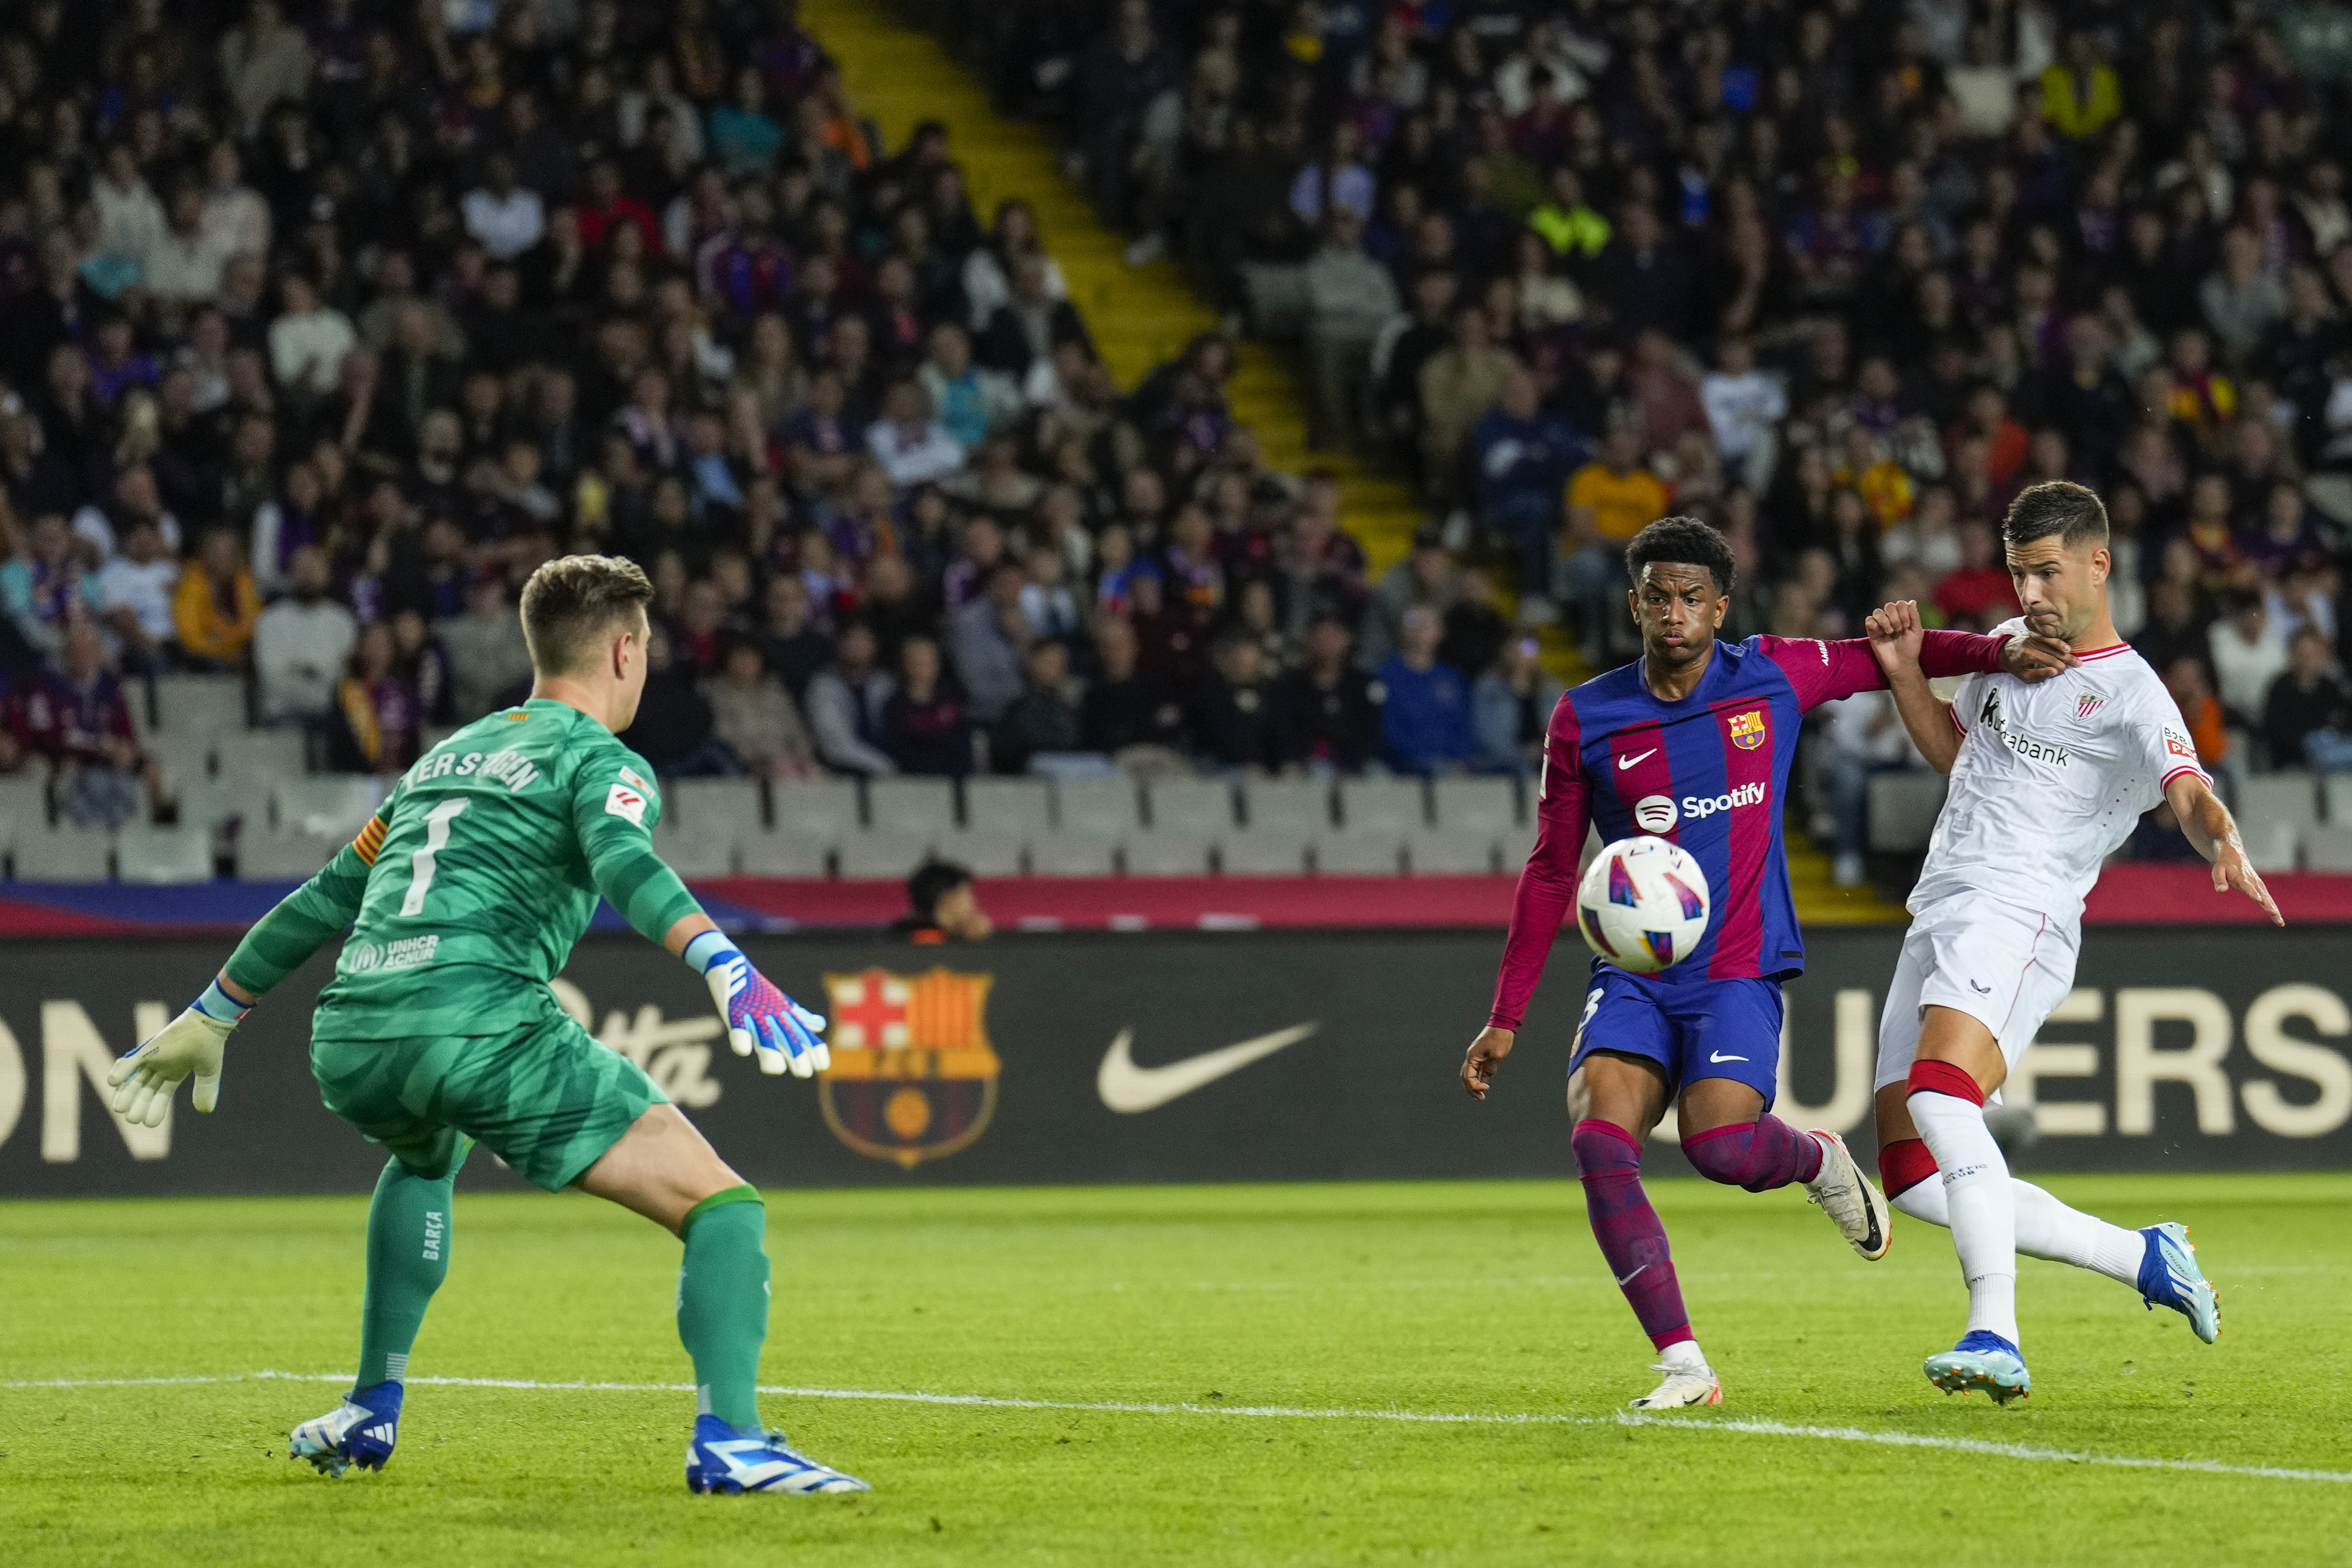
(465, 894)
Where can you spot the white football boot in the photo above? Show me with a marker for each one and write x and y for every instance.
(1683, 1385)
(1847, 1196)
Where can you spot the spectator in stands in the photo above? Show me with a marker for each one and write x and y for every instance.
(377, 726)
(1425, 715)
(1349, 297)
(136, 589)
(912, 448)
(1458, 384)
(1331, 706)
(1237, 723)
(2192, 692)
(1610, 500)
(489, 662)
(1043, 719)
(216, 606)
(675, 730)
(309, 339)
(1979, 596)
(1129, 713)
(925, 725)
(2247, 655)
(2308, 710)
(847, 702)
(1525, 456)
(989, 636)
(755, 718)
(301, 644)
(1511, 706)
(74, 715)
(44, 589)
(1864, 737)
(941, 906)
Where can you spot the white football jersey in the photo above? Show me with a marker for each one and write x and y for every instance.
(2051, 778)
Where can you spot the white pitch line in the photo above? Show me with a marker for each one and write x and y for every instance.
(1751, 1426)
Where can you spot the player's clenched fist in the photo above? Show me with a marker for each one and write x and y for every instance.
(759, 1016)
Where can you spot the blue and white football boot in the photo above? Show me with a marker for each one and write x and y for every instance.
(2170, 1277)
(359, 1431)
(1981, 1360)
(723, 1458)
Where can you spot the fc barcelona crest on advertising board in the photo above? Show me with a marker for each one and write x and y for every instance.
(1747, 730)
(913, 1076)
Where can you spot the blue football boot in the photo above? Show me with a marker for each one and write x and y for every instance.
(359, 1431)
(723, 1458)
(2170, 1277)
(1981, 1360)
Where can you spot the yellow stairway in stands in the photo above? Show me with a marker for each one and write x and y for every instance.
(1139, 316)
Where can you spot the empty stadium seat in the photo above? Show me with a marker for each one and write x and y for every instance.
(1902, 809)
(1106, 807)
(1514, 844)
(911, 805)
(1450, 852)
(1166, 854)
(1300, 806)
(284, 857)
(25, 802)
(1202, 806)
(1069, 853)
(327, 805)
(1382, 805)
(2338, 793)
(1363, 854)
(1483, 806)
(185, 759)
(62, 855)
(735, 804)
(1023, 808)
(269, 753)
(884, 854)
(2326, 849)
(822, 809)
(696, 849)
(202, 705)
(208, 802)
(785, 854)
(1268, 852)
(158, 855)
(986, 854)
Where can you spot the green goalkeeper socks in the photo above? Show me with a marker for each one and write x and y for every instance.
(407, 1259)
(722, 1301)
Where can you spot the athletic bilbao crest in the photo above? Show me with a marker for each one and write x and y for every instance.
(2087, 704)
(1747, 730)
(913, 1076)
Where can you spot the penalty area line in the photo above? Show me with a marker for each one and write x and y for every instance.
(1744, 1426)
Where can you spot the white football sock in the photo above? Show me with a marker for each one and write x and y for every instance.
(1682, 1355)
(1983, 1205)
(2045, 1228)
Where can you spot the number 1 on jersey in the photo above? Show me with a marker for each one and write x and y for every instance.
(424, 863)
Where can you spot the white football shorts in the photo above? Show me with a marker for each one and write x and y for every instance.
(2007, 967)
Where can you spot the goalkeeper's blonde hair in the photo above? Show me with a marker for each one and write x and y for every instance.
(574, 602)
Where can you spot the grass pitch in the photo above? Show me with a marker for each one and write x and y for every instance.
(1334, 1303)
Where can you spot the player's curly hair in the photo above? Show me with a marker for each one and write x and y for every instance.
(571, 602)
(2058, 506)
(1683, 541)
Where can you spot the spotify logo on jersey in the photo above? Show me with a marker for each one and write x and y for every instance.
(1654, 813)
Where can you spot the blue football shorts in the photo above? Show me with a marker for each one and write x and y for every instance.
(1717, 1028)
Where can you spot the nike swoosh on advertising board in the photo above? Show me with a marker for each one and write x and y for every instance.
(1127, 1089)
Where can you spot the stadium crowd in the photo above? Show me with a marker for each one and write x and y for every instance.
(321, 325)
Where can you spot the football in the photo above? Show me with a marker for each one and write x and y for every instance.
(1642, 904)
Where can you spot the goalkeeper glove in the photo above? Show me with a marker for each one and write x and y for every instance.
(144, 1080)
(759, 1016)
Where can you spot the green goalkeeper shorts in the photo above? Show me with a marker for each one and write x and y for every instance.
(546, 1098)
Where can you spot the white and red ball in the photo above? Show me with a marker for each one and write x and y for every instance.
(1642, 904)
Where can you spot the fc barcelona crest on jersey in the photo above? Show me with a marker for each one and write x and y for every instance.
(2088, 703)
(1747, 730)
(913, 1076)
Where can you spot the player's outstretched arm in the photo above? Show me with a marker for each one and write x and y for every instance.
(192, 1045)
(1897, 634)
(2208, 825)
(1546, 893)
(759, 1016)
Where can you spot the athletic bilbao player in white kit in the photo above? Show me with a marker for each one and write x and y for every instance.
(2047, 781)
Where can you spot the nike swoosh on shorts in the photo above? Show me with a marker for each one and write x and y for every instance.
(1127, 1089)
(1719, 1056)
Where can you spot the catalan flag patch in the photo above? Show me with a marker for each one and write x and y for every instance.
(370, 843)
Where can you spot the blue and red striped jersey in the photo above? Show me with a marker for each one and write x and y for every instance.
(1709, 771)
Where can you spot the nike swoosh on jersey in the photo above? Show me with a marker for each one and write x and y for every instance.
(1624, 763)
(1128, 1088)
(1719, 1056)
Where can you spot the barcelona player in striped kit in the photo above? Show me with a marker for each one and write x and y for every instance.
(1692, 742)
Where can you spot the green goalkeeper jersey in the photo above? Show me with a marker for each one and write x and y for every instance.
(469, 888)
